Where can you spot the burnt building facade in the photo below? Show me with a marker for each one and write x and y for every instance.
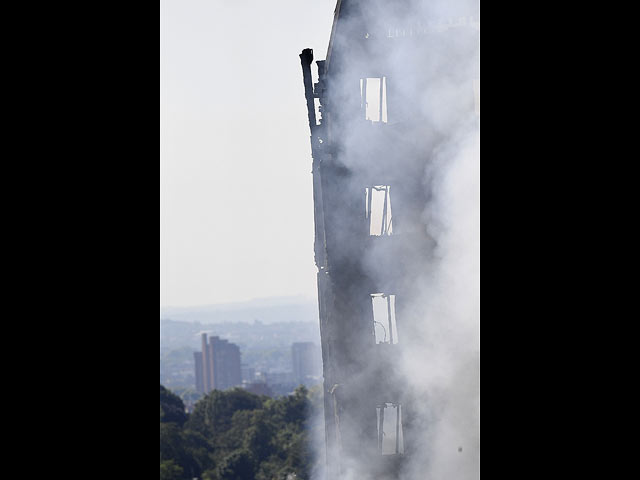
(373, 137)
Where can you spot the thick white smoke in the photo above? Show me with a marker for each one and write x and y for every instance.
(441, 358)
(440, 343)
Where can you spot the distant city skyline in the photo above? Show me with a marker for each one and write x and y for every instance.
(218, 365)
(264, 347)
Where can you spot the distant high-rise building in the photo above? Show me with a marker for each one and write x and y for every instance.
(218, 365)
(306, 361)
(226, 363)
(206, 365)
(197, 356)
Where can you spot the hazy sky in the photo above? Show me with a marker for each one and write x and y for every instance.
(236, 206)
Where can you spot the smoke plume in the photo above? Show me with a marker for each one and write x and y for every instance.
(439, 328)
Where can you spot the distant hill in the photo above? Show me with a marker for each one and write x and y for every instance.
(248, 335)
(269, 310)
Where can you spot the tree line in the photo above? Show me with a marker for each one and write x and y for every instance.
(237, 435)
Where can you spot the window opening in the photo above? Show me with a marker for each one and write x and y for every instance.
(378, 209)
(318, 108)
(373, 98)
(384, 318)
(390, 437)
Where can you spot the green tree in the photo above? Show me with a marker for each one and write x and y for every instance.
(238, 465)
(170, 471)
(236, 435)
(171, 407)
(212, 415)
